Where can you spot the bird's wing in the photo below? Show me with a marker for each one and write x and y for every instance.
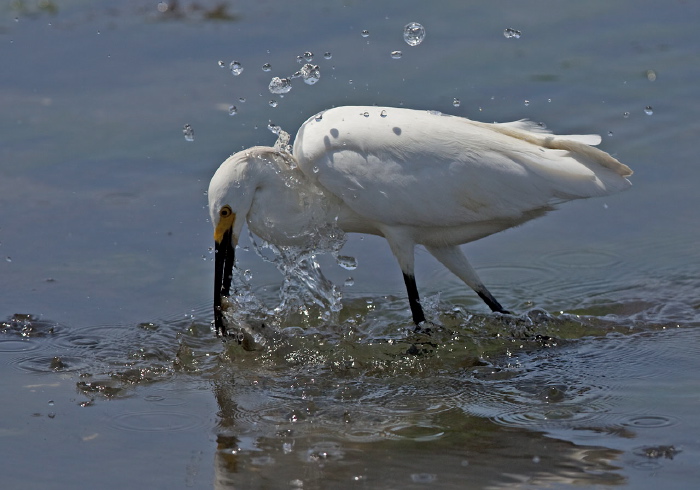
(406, 167)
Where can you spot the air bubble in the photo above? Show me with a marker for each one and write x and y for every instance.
(413, 34)
(236, 68)
(512, 33)
(395, 55)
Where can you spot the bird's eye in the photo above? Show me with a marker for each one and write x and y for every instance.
(225, 212)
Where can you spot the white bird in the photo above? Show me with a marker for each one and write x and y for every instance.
(414, 177)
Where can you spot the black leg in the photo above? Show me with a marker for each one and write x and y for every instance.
(413, 299)
(491, 301)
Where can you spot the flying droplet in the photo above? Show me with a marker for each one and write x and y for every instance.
(349, 282)
(273, 127)
(365, 33)
(413, 34)
(648, 110)
(222, 64)
(527, 102)
(188, 132)
(327, 55)
(456, 102)
(310, 73)
(610, 133)
(232, 110)
(267, 67)
(395, 55)
(241, 99)
(651, 75)
(236, 68)
(346, 262)
(512, 33)
(280, 85)
(273, 103)
(308, 56)
(626, 114)
(315, 170)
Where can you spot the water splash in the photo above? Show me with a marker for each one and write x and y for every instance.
(396, 55)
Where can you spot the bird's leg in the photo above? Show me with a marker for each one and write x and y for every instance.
(413, 299)
(457, 263)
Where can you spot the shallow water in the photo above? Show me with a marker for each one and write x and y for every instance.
(109, 367)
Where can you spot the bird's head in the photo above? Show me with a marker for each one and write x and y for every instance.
(231, 194)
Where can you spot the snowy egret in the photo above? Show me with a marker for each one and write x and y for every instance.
(413, 177)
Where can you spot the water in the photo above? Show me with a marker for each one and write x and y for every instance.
(110, 369)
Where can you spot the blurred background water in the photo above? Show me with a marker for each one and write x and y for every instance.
(110, 370)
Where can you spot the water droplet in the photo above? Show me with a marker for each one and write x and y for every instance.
(365, 33)
(188, 132)
(232, 110)
(273, 127)
(366, 114)
(280, 85)
(383, 114)
(267, 67)
(610, 133)
(241, 99)
(626, 114)
(512, 33)
(349, 282)
(395, 55)
(236, 68)
(51, 403)
(315, 170)
(308, 56)
(310, 73)
(346, 262)
(527, 103)
(296, 74)
(413, 34)
(651, 75)
(648, 110)
(8, 259)
(435, 113)
(222, 64)
(327, 55)
(318, 117)
(247, 275)
(273, 103)
(300, 59)
(456, 102)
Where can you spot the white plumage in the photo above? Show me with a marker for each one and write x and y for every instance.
(413, 177)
